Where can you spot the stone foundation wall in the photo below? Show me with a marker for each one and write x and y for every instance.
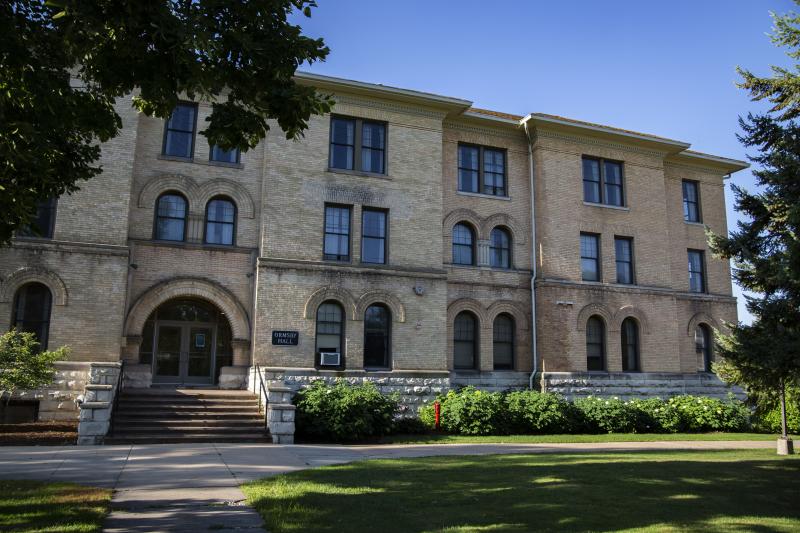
(57, 401)
(491, 381)
(415, 389)
(629, 386)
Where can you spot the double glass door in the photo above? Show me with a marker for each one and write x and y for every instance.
(184, 352)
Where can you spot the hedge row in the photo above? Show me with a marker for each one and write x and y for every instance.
(342, 412)
(470, 411)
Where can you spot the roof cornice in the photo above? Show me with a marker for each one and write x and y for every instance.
(451, 105)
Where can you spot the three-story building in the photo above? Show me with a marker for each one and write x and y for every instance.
(408, 239)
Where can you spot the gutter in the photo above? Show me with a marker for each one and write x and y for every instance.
(534, 352)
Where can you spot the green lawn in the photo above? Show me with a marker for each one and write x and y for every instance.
(748, 490)
(32, 506)
(605, 437)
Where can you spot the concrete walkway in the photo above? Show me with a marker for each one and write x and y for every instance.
(195, 487)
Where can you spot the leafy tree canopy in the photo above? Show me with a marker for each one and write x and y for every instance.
(22, 365)
(63, 63)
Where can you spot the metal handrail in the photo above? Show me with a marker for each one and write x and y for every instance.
(117, 394)
(266, 398)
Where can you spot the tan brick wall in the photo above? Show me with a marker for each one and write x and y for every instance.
(280, 189)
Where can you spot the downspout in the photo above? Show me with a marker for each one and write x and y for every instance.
(534, 352)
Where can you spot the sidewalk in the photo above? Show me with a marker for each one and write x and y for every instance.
(195, 487)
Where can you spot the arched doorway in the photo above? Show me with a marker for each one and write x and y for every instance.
(187, 341)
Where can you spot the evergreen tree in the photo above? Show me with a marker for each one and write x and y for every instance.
(765, 247)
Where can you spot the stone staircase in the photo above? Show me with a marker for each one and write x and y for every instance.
(156, 416)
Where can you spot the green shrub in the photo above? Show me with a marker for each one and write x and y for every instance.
(532, 412)
(427, 415)
(700, 414)
(654, 415)
(343, 412)
(768, 411)
(607, 415)
(473, 412)
(409, 426)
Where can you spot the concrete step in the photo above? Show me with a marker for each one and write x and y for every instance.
(245, 408)
(178, 439)
(180, 400)
(187, 430)
(127, 421)
(199, 415)
(188, 393)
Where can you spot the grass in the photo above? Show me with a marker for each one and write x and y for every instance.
(28, 506)
(544, 439)
(746, 490)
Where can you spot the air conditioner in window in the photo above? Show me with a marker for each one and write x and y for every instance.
(330, 358)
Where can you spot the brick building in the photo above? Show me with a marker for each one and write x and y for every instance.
(408, 238)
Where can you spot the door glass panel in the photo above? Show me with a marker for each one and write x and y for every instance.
(200, 350)
(168, 356)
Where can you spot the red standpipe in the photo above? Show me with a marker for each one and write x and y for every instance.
(437, 410)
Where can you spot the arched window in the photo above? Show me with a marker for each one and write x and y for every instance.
(330, 327)
(220, 221)
(595, 344)
(171, 217)
(463, 245)
(377, 336)
(465, 341)
(503, 342)
(704, 346)
(32, 304)
(500, 248)
(630, 345)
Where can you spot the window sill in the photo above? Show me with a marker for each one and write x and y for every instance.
(358, 173)
(196, 245)
(163, 157)
(483, 195)
(689, 223)
(377, 369)
(607, 206)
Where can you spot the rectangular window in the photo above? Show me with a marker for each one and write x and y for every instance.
(623, 248)
(224, 156)
(43, 223)
(358, 144)
(697, 271)
(179, 131)
(373, 236)
(691, 201)
(590, 256)
(337, 233)
(482, 170)
(603, 182)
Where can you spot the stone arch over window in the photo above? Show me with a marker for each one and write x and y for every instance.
(462, 215)
(225, 187)
(701, 318)
(20, 277)
(631, 311)
(196, 194)
(467, 304)
(510, 308)
(391, 301)
(594, 309)
(503, 220)
(340, 295)
(158, 185)
(192, 288)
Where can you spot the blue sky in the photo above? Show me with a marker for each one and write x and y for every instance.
(656, 67)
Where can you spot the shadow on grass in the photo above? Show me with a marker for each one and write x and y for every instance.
(728, 491)
(51, 507)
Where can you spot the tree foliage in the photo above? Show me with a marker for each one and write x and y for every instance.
(64, 63)
(765, 246)
(22, 366)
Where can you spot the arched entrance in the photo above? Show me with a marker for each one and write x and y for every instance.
(187, 341)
